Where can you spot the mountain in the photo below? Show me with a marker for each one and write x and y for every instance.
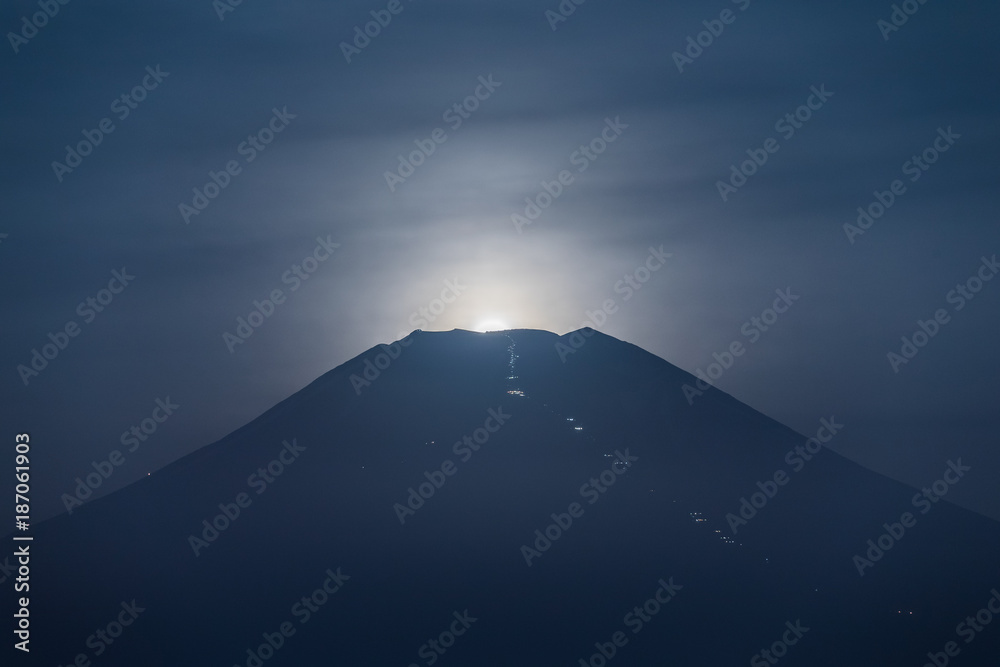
(516, 498)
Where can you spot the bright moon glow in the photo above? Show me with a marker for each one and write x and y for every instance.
(491, 325)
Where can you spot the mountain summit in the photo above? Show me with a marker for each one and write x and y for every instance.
(516, 498)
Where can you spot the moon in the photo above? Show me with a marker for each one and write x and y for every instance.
(491, 324)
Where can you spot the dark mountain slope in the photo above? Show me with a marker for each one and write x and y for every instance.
(353, 457)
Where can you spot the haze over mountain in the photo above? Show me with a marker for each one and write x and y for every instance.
(517, 498)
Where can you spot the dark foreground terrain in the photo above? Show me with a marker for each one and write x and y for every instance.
(391, 519)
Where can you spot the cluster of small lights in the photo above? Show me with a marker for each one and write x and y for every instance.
(698, 517)
(512, 385)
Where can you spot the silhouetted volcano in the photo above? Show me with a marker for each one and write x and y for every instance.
(410, 483)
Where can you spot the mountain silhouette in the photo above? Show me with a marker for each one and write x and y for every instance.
(516, 498)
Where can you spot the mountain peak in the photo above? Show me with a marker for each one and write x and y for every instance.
(501, 474)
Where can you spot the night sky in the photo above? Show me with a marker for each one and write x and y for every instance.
(219, 153)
